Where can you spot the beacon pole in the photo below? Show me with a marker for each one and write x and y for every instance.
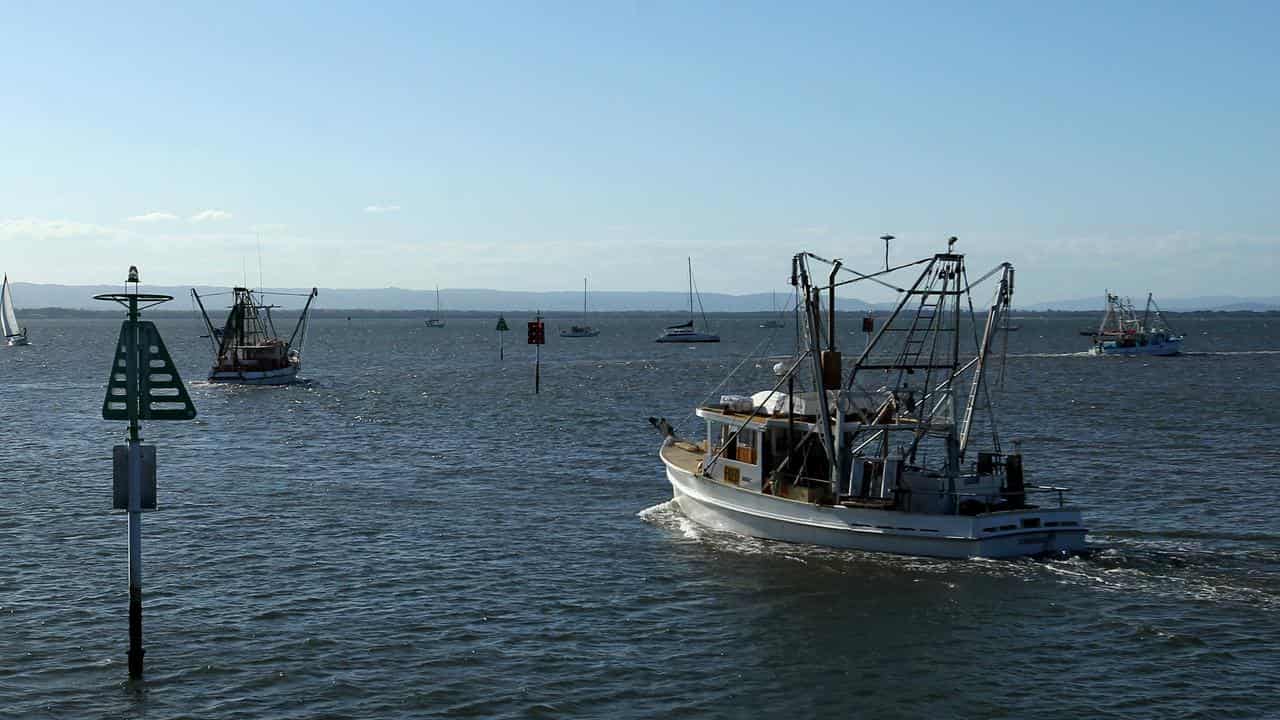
(135, 494)
(537, 336)
(143, 385)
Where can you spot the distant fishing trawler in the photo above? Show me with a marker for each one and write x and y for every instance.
(879, 458)
(247, 349)
(14, 334)
(1122, 332)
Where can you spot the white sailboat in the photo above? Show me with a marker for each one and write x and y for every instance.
(684, 332)
(876, 458)
(435, 321)
(14, 334)
(584, 330)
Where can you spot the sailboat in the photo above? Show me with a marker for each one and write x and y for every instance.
(584, 330)
(1122, 332)
(435, 321)
(775, 321)
(14, 335)
(248, 350)
(684, 332)
(879, 457)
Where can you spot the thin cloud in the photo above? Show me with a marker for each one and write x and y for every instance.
(152, 217)
(380, 209)
(205, 215)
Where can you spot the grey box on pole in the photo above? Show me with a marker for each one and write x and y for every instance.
(120, 484)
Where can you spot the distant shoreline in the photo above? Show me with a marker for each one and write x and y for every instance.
(55, 313)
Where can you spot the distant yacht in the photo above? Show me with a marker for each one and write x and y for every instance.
(1122, 332)
(684, 332)
(584, 330)
(14, 334)
(776, 321)
(248, 350)
(435, 321)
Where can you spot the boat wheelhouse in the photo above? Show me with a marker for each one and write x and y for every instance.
(247, 349)
(882, 457)
(1123, 332)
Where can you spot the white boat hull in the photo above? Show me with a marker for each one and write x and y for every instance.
(282, 376)
(1166, 348)
(732, 509)
(17, 341)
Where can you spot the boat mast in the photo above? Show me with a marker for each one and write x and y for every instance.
(584, 302)
(690, 261)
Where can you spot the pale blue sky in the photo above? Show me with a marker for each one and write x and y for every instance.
(522, 145)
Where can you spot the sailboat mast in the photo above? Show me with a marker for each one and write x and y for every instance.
(690, 261)
(584, 301)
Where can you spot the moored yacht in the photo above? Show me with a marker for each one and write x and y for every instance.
(684, 332)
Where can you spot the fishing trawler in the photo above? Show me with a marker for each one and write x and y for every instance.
(14, 334)
(247, 349)
(584, 330)
(684, 332)
(880, 456)
(1122, 332)
(436, 321)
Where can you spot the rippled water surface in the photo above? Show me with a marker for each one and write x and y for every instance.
(412, 533)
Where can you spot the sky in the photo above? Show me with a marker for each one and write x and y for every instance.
(513, 145)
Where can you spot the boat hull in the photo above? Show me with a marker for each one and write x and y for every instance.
(693, 337)
(1164, 349)
(732, 509)
(18, 341)
(281, 376)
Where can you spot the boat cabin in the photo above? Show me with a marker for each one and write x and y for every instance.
(784, 457)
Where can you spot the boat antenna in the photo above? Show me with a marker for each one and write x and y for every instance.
(259, 236)
(951, 241)
(886, 239)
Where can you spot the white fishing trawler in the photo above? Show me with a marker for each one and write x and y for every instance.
(685, 332)
(247, 349)
(584, 330)
(1122, 332)
(14, 334)
(881, 457)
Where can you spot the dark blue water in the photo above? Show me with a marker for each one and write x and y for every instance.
(414, 533)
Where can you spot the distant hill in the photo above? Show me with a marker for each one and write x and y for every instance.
(32, 295)
(80, 297)
(1191, 304)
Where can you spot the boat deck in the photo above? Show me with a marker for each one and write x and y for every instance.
(684, 455)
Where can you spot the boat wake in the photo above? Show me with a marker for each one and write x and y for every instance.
(1121, 565)
(1232, 352)
(1083, 353)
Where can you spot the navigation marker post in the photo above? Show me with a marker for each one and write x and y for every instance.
(143, 385)
(502, 327)
(537, 338)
